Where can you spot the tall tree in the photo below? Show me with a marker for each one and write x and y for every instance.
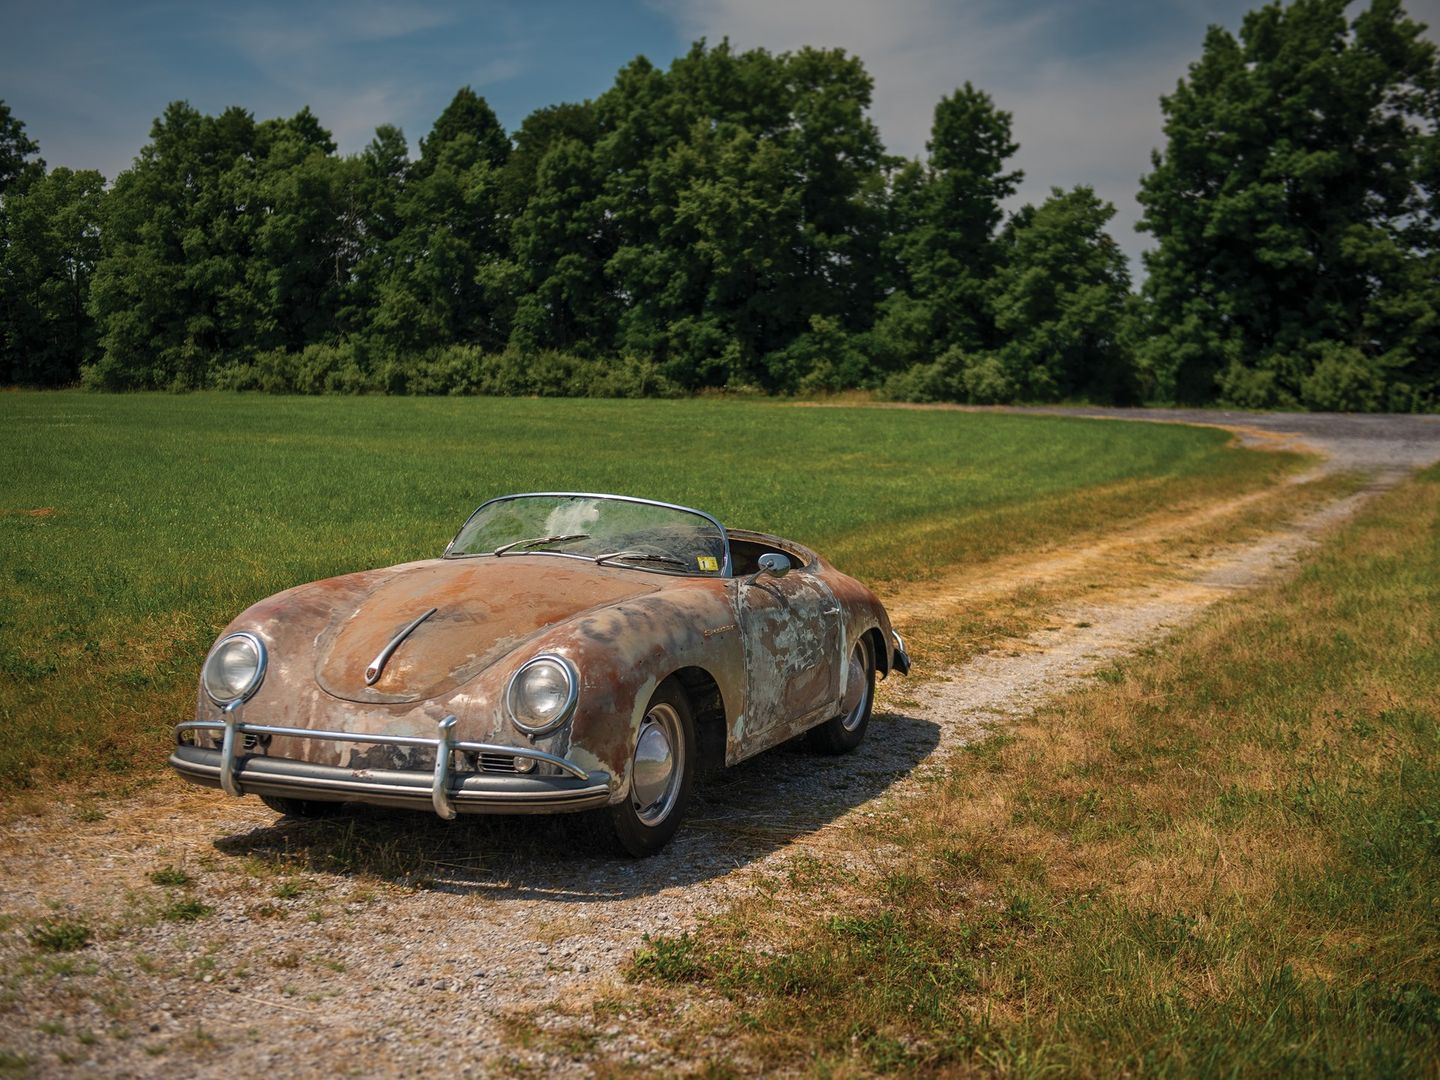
(1060, 300)
(49, 244)
(19, 154)
(169, 293)
(738, 201)
(1294, 213)
(468, 122)
(947, 217)
(371, 193)
(450, 211)
(226, 238)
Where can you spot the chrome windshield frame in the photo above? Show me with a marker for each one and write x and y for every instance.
(725, 566)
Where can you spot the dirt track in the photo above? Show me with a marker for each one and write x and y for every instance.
(370, 947)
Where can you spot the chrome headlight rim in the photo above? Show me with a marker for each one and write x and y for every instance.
(561, 718)
(262, 662)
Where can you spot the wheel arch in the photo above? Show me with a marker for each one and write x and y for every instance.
(876, 637)
(708, 710)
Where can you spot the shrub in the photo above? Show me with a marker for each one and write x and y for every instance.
(1343, 380)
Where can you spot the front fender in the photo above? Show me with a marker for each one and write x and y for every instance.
(623, 653)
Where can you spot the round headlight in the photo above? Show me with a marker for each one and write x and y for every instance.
(542, 695)
(234, 668)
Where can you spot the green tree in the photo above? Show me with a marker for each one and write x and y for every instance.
(451, 228)
(49, 244)
(469, 123)
(306, 240)
(1295, 215)
(19, 154)
(735, 201)
(1060, 300)
(533, 139)
(945, 220)
(372, 187)
(561, 244)
(169, 293)
(226, 239)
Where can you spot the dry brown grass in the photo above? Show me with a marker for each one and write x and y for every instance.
(1005, 600)
(1222, 858)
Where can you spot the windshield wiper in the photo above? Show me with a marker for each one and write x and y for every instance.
(651, 556)
(558, 538)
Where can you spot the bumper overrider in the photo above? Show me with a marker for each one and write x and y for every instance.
(445, 790)
(902, 657)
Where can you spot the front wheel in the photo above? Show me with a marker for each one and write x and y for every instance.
(844, 733)
(662, 769)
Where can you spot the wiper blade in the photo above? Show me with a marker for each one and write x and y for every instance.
(534, 541)
(651, 556)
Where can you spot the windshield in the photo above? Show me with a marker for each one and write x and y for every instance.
(609, 529)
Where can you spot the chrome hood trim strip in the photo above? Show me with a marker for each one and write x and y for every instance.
(377, 666)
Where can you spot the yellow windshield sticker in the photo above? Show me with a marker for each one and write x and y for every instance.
(707, 562)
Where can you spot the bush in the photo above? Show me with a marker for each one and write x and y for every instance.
(977, 378)
(317, 369)
(986, 381)
(1251, 388)
(824, 359)
(1343, 380)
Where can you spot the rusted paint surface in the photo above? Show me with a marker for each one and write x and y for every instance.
(791, 631)
(775, 648)
(485, 608)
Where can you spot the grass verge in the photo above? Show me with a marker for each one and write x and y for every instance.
(1220, 859)
(134, 527)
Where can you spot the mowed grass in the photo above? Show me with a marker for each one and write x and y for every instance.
(1221, 859)
(133, 527)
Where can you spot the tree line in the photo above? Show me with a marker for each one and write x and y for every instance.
(734, 221)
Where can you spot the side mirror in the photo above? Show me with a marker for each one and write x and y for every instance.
(772, 563)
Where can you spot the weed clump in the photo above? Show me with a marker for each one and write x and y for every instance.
(186, 911)
(170, 877)
(61, 935)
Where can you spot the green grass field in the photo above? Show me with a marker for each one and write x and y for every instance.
(1221, 859)
(133, 527)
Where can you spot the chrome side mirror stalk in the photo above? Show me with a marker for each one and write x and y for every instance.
(772, 563)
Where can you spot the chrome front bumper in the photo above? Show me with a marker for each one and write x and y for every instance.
(444, 790)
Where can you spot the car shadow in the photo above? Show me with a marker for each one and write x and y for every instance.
(736, 816)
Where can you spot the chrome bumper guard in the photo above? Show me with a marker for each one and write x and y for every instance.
(902, 658)
(445, 791)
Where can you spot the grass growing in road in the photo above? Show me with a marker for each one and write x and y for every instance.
(1221, 859)
(132, 528)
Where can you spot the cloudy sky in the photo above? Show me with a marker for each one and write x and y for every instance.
(1082, 77)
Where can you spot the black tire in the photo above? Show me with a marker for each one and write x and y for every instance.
(845, 732)
(656, 799)
(302, 808)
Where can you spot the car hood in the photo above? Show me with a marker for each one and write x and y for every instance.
(484, 609)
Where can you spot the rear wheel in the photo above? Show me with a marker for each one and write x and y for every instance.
(302, 808)
(662, 771)
(846, 731)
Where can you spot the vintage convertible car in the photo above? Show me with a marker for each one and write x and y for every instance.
(567, 652)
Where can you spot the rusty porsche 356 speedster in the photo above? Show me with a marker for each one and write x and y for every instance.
(567, 652)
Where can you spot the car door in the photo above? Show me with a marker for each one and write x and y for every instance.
(791, 631)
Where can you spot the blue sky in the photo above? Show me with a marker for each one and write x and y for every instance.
(1082, 77)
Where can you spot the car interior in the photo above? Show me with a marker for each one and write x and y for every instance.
(745, 555)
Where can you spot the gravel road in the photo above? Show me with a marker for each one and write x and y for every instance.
(397, 944)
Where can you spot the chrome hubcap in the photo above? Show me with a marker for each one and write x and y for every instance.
(857, 688)
(654, 774)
